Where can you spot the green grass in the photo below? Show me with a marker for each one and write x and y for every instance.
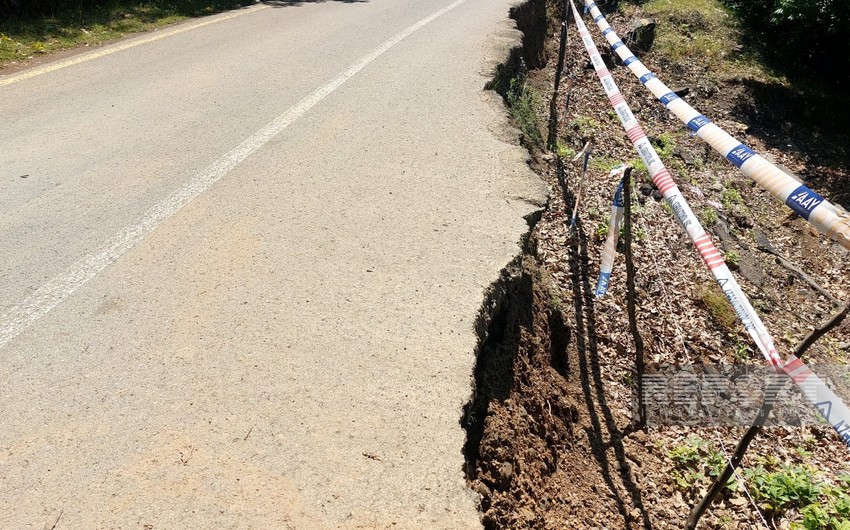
(21, 39)
(585, 126)
(665, 145)
(523, 102)
(718, 306)
(603, 163)
(704, 33)
(708, 216)
(637, 164)
(733, 258)
(730, 197)
(564, 151)
(697, 464)
(693, 30)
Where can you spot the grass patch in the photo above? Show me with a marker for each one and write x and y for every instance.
(730, 198)
(585, 126)
(523, 101)
(22, 38)
(693, 30)
(603, 163)
(696, 465)
(637, 164)
(718, 306)
(564, 151)
(704, 33)
(664, 145)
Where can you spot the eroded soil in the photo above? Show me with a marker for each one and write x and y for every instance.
(554, 440)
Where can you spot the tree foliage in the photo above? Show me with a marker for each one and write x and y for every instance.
(809, 36)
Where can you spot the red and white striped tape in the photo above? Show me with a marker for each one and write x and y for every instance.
(816, 392)
(828, 218)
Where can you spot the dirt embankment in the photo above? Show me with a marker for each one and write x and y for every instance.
(552, 430)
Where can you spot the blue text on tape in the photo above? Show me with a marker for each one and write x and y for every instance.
(803, 201)
(740, 154)
(698, 123)
(646, 77)
(668, 97)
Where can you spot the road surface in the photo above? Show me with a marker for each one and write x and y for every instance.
(241, 262)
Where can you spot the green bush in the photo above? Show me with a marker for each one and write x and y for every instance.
(523, 102)
(807, 36)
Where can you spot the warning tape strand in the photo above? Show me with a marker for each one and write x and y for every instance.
(824, 400)
(829, 219)
(664, 181)
(609, 249)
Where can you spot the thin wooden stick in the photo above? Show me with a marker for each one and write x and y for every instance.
(822, 330)
(631, 296)
(785, 262)
(767, 406)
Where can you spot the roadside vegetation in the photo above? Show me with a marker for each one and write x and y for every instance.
(720, 54)
(523, 102)
(801, 37)
(32, 28)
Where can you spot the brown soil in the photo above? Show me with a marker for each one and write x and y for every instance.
(553, 438)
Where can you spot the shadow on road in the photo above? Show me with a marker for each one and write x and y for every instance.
(291, 3)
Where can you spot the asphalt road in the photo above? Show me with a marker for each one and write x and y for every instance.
(240, 266)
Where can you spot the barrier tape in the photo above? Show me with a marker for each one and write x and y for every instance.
(814, 390)
(828, 218)
(609, 250)
(828, 405)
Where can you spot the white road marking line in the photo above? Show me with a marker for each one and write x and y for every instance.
(132, 43)
(51, 294)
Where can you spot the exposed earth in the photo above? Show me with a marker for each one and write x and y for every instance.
(554, 440)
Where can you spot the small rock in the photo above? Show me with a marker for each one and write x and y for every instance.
(684, 154)
(482, 489)
(707, 89)
(844, 345)
(506, 471)
(763, 243)
(641, 36)
(722, 231)
(738, 501)
(716, 186)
